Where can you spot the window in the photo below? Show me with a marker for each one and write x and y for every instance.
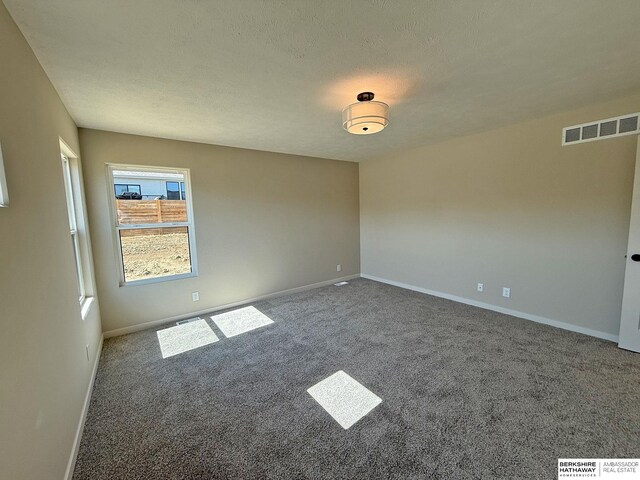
(73, 224)
(77, 225)
(121, 188)
(175, 191)
(154, 237)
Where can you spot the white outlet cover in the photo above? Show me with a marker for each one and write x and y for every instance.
(506, 292)
(338, 268)
(481, 287)
(195, 296)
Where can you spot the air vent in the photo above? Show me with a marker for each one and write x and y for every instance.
(189, 320)
(608, 128)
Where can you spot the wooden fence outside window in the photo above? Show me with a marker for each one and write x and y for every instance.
(149, 212)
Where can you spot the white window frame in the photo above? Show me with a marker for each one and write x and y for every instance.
(116, 228)
(74, 196)
(4, 194)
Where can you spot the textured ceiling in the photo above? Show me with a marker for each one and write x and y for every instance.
(275, 75)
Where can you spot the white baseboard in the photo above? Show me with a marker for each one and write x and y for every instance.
(83, 416)
(156, 323)
(495, 308)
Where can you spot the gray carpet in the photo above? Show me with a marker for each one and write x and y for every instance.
(467, 393)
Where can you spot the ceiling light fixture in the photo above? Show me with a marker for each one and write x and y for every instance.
(366, 116)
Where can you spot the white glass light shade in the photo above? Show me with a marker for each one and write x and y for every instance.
(365, 118)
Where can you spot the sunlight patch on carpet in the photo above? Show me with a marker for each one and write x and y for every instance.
(185, 337)
(345, 399)
(240, 321)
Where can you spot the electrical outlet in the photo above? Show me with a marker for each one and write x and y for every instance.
(506, 292)
(87, 350)
(195, 296)
(338, 268)
(481, 287)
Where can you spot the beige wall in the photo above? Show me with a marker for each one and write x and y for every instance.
(264, 223)
(44, 372)
(509, 207)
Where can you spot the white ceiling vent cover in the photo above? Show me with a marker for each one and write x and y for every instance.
(601, 129)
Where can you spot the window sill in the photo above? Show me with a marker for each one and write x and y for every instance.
(85, 307)
(148, 281)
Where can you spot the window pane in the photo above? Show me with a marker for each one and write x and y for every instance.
(141, 212)
(73, 224)
(133, 188)
(184, 195)
(68, 188)
(76, 254)
(173, 192)
(155, 252)
(120, 189)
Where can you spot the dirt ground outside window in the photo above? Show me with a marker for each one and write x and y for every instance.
(158, 255)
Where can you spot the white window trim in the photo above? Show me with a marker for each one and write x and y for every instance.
(74, 195)
(4, 193)
(190, 224)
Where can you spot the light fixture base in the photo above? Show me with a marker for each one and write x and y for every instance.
(365, 96)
